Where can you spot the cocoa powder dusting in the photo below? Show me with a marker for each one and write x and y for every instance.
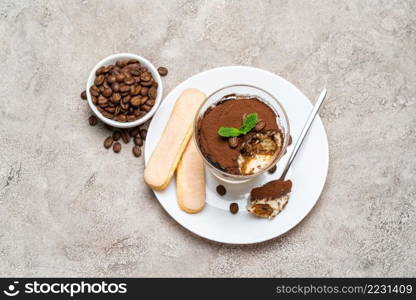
(271, 190)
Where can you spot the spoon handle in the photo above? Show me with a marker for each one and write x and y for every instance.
(304, 132)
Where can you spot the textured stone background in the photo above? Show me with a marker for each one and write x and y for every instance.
(68, 207)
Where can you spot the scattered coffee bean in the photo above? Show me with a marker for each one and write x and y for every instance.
(93, 120)
(138, 141)
(117, 147)
(143, 133)
(134, 131)
(234, 208)
(221, 190)
(137, 151)
(272, 169)
(260, 125)
(84, 95)
(125, 136)
(108, 142)
(109, 127)
(116, 135)
(162, 71)
(233, 142)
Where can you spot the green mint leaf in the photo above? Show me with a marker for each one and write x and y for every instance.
(229, 131)
(249, 123)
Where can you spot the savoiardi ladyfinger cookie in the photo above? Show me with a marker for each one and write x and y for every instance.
(165, 158)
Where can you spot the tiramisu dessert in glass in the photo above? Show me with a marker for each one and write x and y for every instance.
(241, 131)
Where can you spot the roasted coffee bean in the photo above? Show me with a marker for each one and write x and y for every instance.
(93, 120)
(272, 169)
(124, 106)
(146, 108)
(134, 131)
(138, 113)
(116, 135)
(107, 92)
(108, 127)
(107, 114)
(115, 87)
(137, 151)
(111, 78)
(144, 91)
(120, 77)
(144, 99)
(136, 101)
(143, 133)
(102, 100)
(135, 73)
(84, 95)
(131, 118)
(100, 70)
(122, 63)
(108, 142)
(132, 61)
(234, 208)
(135, 90)
(221, 190)
(125, 136)
(101, 88)
(152, 92)
(129, 80)
(110, 109)
(145, 76)
(99, 80)
(126, 99)
(146, 83)
(233, 142)
(94, 91)
(138, 141)
(109, 68)
(94, 100)
(118, 110)
(124, 94)
(117, 147)
(150, 102)
(162, 71)
(260, 125)
(121, 118)
(115, 98)
(134, 67)
(124, 88)
(155, 84)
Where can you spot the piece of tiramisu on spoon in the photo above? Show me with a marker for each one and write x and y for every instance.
(269, 199)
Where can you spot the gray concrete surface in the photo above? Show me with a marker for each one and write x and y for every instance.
(68, 207)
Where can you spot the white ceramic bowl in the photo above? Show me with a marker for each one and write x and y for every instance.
(112, 60)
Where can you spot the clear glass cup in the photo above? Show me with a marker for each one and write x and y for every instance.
(244, 91)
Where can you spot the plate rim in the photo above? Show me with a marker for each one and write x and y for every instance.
(318, 119)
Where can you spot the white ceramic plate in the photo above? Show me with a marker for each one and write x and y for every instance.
(308, 172)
